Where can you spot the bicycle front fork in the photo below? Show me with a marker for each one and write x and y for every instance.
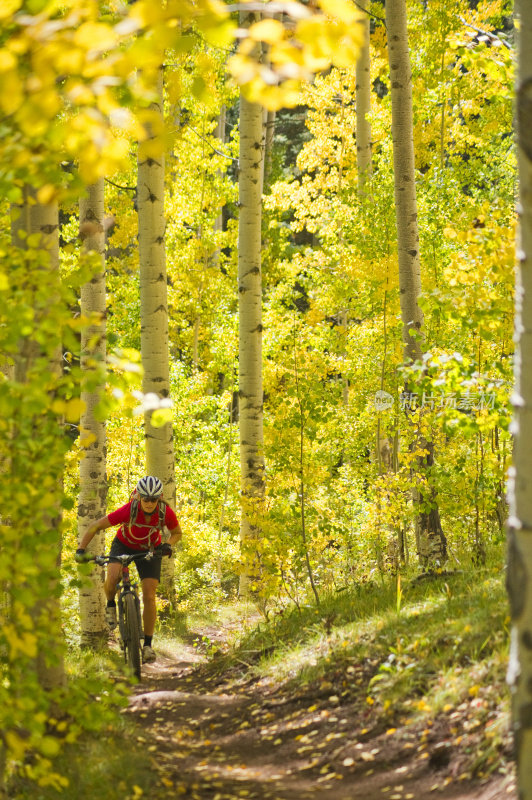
(121, 615)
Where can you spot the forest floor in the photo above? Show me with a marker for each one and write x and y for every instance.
(228, 733)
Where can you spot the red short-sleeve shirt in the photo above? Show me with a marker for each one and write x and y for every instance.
(144, 531)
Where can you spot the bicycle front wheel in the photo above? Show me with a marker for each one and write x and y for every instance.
(132, 633)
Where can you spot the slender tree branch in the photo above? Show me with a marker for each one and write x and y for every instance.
(125, 188)
(493, 37)
(365, 10)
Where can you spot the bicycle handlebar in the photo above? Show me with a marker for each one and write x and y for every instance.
(124, 559)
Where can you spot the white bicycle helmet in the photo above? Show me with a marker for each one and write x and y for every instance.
(150, 487)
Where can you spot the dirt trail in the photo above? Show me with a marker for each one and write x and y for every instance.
(224, 737)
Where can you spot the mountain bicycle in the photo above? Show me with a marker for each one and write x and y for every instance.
(128, 607)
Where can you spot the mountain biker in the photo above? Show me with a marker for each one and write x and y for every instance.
(134, 536)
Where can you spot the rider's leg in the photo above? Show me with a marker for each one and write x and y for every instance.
(111, 580)
(149, 615)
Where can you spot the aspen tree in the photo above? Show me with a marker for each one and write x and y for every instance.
(250, 391)
(154, 312)
(44, 227)
(430, 539)
(520, 483)
(363, 105)
(92, 468)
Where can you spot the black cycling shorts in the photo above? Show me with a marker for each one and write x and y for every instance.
(146, 569)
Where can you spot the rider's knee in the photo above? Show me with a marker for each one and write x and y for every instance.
(148, 593)
(110, 584)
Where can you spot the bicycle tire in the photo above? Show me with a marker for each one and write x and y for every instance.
(132, 633)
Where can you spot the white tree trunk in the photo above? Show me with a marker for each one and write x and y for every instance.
(250, 329)
(363, 106)
(404, 178)
(431, 542)
(154, 321)
(520, 483)
(92, 469)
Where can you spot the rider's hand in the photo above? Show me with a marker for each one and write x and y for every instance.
(81, 556)
(165, 549)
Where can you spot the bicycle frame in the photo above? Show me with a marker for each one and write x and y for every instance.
(128, 606)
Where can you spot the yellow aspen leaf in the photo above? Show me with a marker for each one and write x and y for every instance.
(241, 67)
(70, 61)
(95, 35)
(221, 34)
(16, 745)
(267, 30)
(341, 10)
(246, 47)
(57, 406)
(46, 193)
(347, 54)
(474, 690)
(80, 94)
(291, 58)
(273, 97)
(216, 8)
(49, 746)
(9, 7)
(117, 150)
(147, 12)
(24, 643)
(7, 60)
(74, 408)
(32, 122)
(11, 92)
(87, 440)
(390, 731)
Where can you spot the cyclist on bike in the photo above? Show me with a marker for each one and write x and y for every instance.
(134, 536)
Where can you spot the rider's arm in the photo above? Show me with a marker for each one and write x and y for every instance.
(99, 525)
(175, 534)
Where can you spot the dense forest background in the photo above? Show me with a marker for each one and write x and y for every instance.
(331, 319)
(357, 440)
